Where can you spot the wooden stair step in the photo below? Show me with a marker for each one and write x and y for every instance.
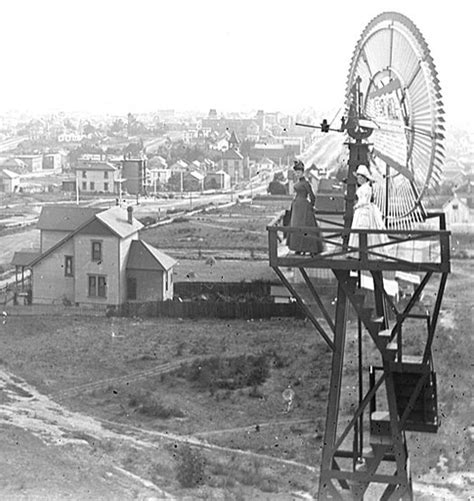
(377, 320)
(380, 423)
(385, 334)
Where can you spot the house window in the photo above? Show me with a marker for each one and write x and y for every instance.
(92, 186)
(236, 164)
(84, 186)
(455, 206)
(106, 186)
(68, 271)
(167, 282)
(96, 251)
(225, 163)
(131, 288)
(106, 175)
(84, 173)
(97, 286)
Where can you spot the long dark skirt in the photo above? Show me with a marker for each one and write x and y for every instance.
(302, 216)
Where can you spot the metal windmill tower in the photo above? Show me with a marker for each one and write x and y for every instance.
(393, 100)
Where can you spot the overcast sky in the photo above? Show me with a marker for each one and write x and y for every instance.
(143, 55)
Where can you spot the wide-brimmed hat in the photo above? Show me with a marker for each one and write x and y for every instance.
(362, 170)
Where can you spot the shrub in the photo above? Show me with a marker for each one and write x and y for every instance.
(151, 406)
(190, 466)
(229, 373)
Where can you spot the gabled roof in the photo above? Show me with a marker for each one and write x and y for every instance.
(8, 173)
(180, 164)
(218, 173)
(65, 218)
(143, 256)
(455, 199)
(232, 155)
(96, 166)
(116, 218)
(24, 258)
(197, 175)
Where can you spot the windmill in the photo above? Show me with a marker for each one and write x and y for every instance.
(394, 124)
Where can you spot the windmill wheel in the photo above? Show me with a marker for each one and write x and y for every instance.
(400, 94)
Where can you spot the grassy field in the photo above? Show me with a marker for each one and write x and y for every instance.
(55, 356)
(241, 226)
(65, 358)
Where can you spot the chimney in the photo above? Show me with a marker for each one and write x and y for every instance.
(130, 214)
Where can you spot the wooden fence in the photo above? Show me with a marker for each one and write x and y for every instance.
(207, 309)
(231, 289)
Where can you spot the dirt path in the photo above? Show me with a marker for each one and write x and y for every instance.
(50, 439)
(54, 442)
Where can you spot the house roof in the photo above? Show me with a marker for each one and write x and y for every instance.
(232, 154)
(15, 163)
(143, 256)
(65, 218)
(180, 164)
(219, 173)
(455, 199)
(116, 218)
(24, 258)
(96, 166)
(8, 173)
(197, 175)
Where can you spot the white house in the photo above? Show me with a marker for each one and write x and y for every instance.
(102, 261)
(97, 177)
(456, 211)
(9, 181)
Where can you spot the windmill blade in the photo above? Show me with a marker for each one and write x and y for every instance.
(401, 92)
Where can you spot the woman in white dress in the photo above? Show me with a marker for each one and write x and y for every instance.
(367, 215)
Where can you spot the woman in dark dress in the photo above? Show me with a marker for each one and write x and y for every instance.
(302, 216)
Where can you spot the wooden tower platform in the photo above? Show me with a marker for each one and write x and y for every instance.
(353, 464)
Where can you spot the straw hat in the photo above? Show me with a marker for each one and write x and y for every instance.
(362, 170)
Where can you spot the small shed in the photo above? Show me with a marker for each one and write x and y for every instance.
(149, 273)
(9, 181)
(456, 211)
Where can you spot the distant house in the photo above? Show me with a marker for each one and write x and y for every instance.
(14, 165)
(193, 181)
(183, 180)
(102, 261)
(70, 137)
(9, 181)
(34, 163)
(134, 175)
(52, 161)
(158, 178)
(456, 211)
(97, 177)
(232, 162)
(219, 180)
(179, 165)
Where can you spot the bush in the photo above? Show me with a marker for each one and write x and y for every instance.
(151, 406)
(229, 373)
(190, 466)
